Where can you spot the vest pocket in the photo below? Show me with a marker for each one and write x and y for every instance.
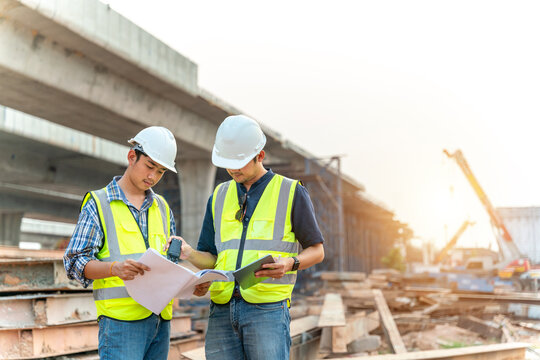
(262, 229)
(127, 241)
(157, 241)
(230, 229)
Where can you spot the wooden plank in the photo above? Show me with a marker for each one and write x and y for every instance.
(373, 321)
(180, 325)
(195, 354)
(356, 326)
(430, 309)
(507, 351)
(363, 294)
(325, 343)
(343, 276)
(378, 277)
(179, 346)
(479, 326)
(389, 325)
(521, 298)
(427, 300)
(427, 290)
(298, 311)
(332, 313)
(339, 339)
(315, 310)
(530, 326)
(304, 324)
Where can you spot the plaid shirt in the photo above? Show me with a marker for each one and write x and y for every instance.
(87, 238)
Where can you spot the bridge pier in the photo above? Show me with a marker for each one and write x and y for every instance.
(10, 227)
(196, 179)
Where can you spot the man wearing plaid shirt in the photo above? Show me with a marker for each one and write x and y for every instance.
(116, 226)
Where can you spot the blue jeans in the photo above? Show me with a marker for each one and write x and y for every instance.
(240, 330)
(146, 339)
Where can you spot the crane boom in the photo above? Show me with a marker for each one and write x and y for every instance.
(493, 215)
(452, 241)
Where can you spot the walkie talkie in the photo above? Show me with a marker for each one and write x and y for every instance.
(175, 249)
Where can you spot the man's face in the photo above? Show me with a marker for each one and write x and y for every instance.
(145, 172)
(245, 174)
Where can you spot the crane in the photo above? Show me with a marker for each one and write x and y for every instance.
(512, 260)
(453, 241)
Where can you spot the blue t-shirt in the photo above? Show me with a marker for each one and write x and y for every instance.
(304, 223)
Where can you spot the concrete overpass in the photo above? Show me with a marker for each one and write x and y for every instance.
(79, 64)
(97, 79)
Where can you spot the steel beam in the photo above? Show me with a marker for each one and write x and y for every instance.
(33, 310)
(35, 275)
(39, 342)
(13, 252)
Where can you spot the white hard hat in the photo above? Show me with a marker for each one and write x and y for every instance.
(159, 144)
(238, 139)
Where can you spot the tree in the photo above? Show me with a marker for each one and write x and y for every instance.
(394, 259)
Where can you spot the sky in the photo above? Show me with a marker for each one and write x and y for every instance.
(388, 84)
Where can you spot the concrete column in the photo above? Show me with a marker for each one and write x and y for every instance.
(196, 179)
(10, 228)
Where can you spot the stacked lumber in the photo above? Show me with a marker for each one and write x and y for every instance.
(512, 351)
(354, 315)
(482, 318)
(405, 313)
(383, 278)
(43, 314)
(349, 332)
(344, 283)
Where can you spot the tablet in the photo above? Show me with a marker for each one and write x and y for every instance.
(245, 276)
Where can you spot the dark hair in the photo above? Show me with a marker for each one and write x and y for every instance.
(138, 153)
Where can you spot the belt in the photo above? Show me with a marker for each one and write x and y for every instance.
(237, 294)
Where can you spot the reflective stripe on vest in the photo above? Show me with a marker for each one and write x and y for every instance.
(110, 294)
(275, 243)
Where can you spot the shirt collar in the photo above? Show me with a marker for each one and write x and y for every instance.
(263, 180)
(115, 192)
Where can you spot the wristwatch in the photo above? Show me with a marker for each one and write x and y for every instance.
(296, 263)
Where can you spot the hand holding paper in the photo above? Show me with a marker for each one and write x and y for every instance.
(156, 288)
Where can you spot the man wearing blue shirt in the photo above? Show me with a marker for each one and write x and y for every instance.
(255, 214)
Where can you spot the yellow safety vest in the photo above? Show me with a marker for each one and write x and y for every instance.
(269, 232)
(123, 240)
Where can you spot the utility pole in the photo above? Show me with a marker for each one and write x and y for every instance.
(341, 219)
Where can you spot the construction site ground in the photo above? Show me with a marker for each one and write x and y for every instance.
(348, 315)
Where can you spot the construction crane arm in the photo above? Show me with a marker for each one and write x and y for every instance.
(493, 215)
(453, 241)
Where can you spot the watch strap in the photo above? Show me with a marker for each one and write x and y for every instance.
(296, 263)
